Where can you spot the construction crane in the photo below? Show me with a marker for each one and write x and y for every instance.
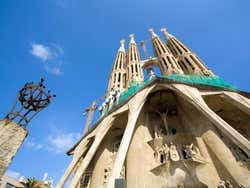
(143, 45)
(149, 61)
(90, 111)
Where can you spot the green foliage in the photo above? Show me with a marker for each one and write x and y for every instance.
(30, 183)
(34, 183)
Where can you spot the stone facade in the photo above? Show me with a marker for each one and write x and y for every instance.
(7, 181)
(170, 135)
(167, 134)
(12, 136)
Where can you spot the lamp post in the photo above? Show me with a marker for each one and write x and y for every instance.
(31, 99)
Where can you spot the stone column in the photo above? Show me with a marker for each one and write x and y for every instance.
(206, 173)
(101, 131)
(203, 171)
(239, 101)
(192, 95)
(77, 155)
(106, 125)
(135, 106)
(12, 136)
(225, 156)
(216, 145)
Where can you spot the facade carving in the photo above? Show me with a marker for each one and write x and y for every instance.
(168, 133)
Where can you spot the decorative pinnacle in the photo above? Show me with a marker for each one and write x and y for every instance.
(165, 33)
(122, 42)
(151, 31)
(132, 38)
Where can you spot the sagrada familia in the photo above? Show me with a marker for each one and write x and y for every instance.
(183, 128)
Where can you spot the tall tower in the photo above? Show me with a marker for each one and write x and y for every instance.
(188, 60)
(171, 131)
(134, 69)
(167, 63)
(118, 74)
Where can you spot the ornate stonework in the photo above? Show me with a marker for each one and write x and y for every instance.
(166, 133)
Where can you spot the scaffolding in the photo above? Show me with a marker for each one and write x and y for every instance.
(190, 79)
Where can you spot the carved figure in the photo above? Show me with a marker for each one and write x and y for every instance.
(107, 172)
(118, 93)
(103, 108)
(228, 184)
(222, 184)
(111, 99)
(156, 135)
(162, 156)
(166, 151)
(174, 155)
(164, 119)
(159, 132)
(162, 153)
(192, 152)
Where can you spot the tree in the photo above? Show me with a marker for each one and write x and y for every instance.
(30, 183)
(34, 183)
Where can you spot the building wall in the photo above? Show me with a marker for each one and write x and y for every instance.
(103, 161)
(173, 145)
(8, 182)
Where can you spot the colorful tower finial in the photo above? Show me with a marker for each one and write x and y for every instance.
(151, 31)
(165, 32)
(122, 48)
(168, 64)
(188, 60)
(117, 79)
(134, 69)
(132, 38)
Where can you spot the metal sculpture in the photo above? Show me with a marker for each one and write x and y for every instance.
(31, 99)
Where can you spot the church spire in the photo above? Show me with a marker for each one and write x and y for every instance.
(134, 69)
(188, 60)
(117, 79)
(167, 63)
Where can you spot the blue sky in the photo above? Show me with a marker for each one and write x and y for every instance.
(72, 44)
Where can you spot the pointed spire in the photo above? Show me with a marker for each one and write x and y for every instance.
(122, 48)
(175, 46)
(134, 68)
(165, 33)
(188, 61)
(151, 31)
(167, 62)
(132, 38)
(117, 79)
